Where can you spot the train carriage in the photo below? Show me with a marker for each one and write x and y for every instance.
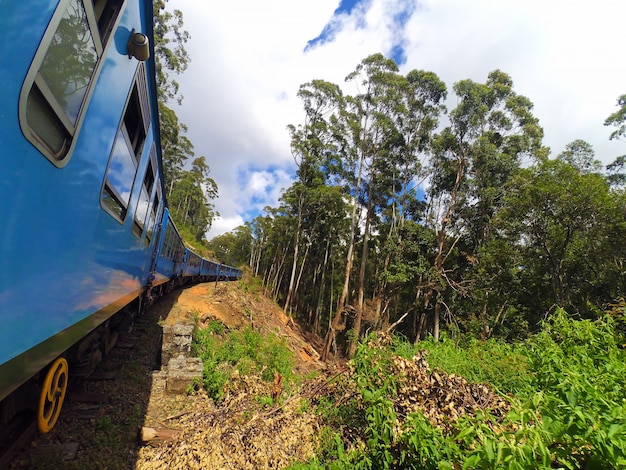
(170, 252)
(85, 228)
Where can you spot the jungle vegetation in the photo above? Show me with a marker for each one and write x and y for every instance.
(439, 219)
(188, 187)
(456, 229)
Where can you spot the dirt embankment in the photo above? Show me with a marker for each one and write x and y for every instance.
(241, 432)
(236, 304)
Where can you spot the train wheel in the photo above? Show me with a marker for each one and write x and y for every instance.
(52, 395)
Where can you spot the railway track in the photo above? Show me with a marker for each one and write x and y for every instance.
(104, 411)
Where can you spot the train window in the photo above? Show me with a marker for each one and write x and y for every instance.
(143, 204)
(152, 216)
(58, 84)
(170, 243)
(120, 176)
(106, 12)
(125, 156)
(141, 212)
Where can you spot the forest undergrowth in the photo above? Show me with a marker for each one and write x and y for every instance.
(555, 400)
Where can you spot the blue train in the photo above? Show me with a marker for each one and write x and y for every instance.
(86, 238)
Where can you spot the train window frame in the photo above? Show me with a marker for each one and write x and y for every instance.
(137, 105)
(167, 244)
(146, 196)
(46, 122)
(153, 215)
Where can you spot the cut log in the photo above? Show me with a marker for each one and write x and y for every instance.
(277, 389)
(157, 436)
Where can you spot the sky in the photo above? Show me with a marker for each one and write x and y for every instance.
(249, 58)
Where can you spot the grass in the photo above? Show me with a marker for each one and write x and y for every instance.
(247, 351)
(503, 365)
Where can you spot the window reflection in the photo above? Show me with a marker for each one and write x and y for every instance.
(124, 161)
(70, 60)
(57, 87)
(121, 170)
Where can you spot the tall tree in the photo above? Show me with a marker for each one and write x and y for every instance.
(188, 200)
(580, 155)
(617, 169)
(491, 130)
(188, 191)
(363, 120)
(310, 148)
(171, 57)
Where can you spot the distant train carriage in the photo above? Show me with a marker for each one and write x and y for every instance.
(192, 264)
(170, 253)
(85, 228)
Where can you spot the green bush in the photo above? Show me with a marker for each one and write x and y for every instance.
(504, 366)
(581, 376)
(248, 351)
(569, 412)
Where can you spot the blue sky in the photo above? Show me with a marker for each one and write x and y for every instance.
(346, 9)
(249, 58)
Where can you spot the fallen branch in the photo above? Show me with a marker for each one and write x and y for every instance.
(157, 436)
(393, 325)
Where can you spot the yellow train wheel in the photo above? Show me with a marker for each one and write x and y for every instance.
(52, 395)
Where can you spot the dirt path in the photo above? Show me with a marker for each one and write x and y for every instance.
(102, 418)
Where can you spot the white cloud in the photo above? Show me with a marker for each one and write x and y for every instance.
(224, 224)
(248, 61)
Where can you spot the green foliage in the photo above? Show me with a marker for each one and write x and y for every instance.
(246, 351)
(189, 198)
(567, 412)
(500, 364)
(582, 375)
(233, 248)
(558, 222)
(169, 46)
(188, 191)
(198, 246)
(618, 119)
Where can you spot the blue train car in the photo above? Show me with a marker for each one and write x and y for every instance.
(85, 228)
(192, 264)
(170, 252)
(80, 192)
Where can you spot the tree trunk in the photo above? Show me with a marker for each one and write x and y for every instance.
(361, 284)
(436, 322)
(294, 266)
(422, 322)
(349, 261)
(299, 278)
(296, 250)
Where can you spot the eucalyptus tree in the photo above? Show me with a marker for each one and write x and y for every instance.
(189, 198)
(176, 147)
(360, 132)
(233, 248)
(581, 156)
(414, 117)
(311, 145)
(191, 191)
(171, 58)
(617, 169)
(259, 228)
(491, 131)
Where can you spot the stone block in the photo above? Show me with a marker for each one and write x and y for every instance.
(176, 341)
(182, 372)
